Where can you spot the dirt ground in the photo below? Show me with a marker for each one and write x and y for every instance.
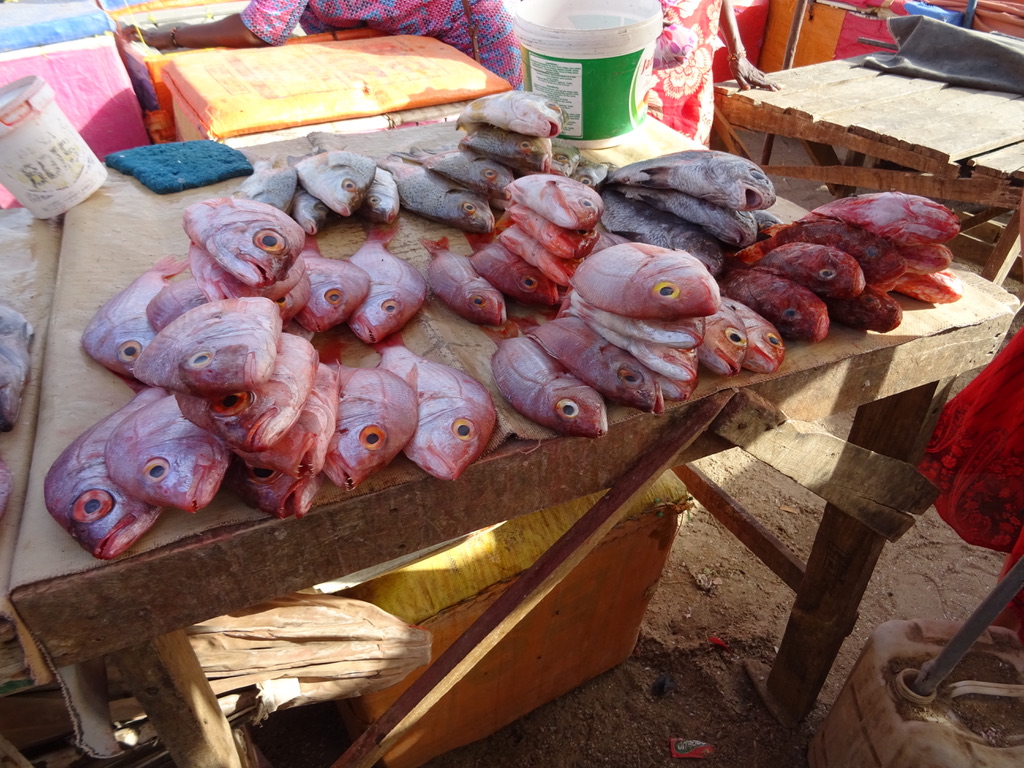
(678, 683)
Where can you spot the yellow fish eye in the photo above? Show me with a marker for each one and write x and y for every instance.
(628, 375)
(736, 337)
(128, 351)
(463, 429)
(390, 305)
(666, 290)
(469, 207)
(269, 240)
(92, 505)
(567, 408)
(333, 296)
(372, 437)
(774, 340)
(156, 470)
(490, 174)
(478, 300)
(529, 282)
(349, 186)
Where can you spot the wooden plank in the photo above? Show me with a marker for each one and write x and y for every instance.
(745, 115)
(880, 492)
(1006, 250)
(981, 190)
(880, 94)
(165, 676)
(840, 564)
(799, 78)
(1003, 162)
(768, 548)
(528, 590)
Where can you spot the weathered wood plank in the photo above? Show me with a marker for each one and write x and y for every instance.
(1003, 162)
(842, 559)
(827, 102)
(982, 190)
(767, 547)
(880, 492)
(1007, 249)
(529, 589)
(165, 676)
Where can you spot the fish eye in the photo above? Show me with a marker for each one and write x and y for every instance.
(774, 340)
(529, 282)
(464, 429)
(525, 145)
(586, 180)
(156, 470)
(567, 408)
(666, 290)
(200, 359)
(490, 174)
(469, 207)
(737, 337)
(372, 437)
(478, 300)
(92, 505)
(333, 296)
(268, 240)
(128, 351)
(628, 375)
(789, 312)
(390, 305)
(373, 200)
(583, 232)
(349, 186)
(826, 273)
(587, 203)
(231, 405)
(282, 301)
(263, 475)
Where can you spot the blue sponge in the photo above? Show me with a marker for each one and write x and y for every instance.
(180, 165)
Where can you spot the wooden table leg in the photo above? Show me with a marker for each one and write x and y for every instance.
(165, 677)
(840, 564)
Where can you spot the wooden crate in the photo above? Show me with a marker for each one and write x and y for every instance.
(588, 624)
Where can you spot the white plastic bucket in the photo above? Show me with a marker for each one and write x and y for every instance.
(595, 59)
(44, 162)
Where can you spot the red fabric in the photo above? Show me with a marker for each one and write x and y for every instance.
(976, 459)
(683, 97)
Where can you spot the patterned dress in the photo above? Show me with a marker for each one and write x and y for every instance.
(274, 20)
(976, 459)
(683, 97)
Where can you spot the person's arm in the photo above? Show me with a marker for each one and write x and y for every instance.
(746, 74)
(228, 32)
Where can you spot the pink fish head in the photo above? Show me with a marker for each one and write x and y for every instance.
(254, 241)
(337, 287)
(563, 201)
(214, 349)
(273, 492)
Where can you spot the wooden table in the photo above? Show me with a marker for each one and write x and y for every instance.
(908, 134)
(226, 557)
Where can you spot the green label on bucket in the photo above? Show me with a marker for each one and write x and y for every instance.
(601, 98)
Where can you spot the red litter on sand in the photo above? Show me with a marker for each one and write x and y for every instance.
(691, 748)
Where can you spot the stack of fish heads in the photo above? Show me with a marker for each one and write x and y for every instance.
(455, 413)
(214, 349)
(271, 491)
(453, 279)
(253, 241)
(273, 181)
(16, 335)
(664, 200)
(337, 287)
(81, 496)
(524, 112)
(897, 241)
(513, 276)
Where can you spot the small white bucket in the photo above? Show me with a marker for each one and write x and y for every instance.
(595, 59)
(44, 162)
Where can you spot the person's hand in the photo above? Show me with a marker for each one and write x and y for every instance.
(748, 76)
(162, 40)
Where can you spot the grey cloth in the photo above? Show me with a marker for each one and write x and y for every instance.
(936, 50)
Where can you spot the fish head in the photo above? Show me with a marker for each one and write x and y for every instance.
(98, 514)
(578, 409)
(14, 372)
(274, 492)
(118, 347)
(467, 212)
(765, 350)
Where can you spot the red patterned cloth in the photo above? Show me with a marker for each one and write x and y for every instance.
(976, 459)
(683, 97)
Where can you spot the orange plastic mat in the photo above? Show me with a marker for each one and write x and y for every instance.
(238, 92)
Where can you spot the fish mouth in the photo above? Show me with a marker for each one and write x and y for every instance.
(206, 480)
(753, 199)
(731, 365)
(118, 539)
